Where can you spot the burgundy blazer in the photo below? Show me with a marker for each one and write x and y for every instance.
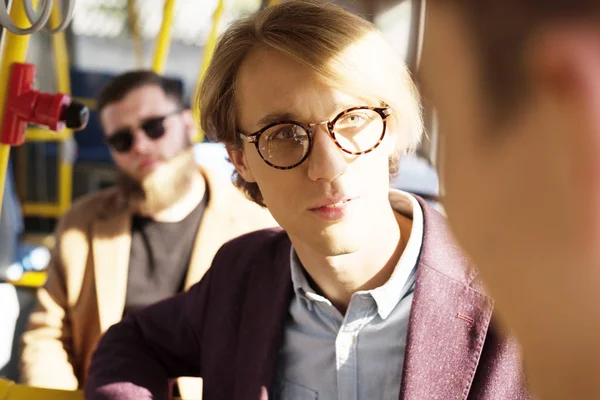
(228, 329)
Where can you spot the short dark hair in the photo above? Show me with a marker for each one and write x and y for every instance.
(502, 29)
(118, 87)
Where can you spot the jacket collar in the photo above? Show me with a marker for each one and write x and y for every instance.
(448, 323)
(111, 247)
(449, 319)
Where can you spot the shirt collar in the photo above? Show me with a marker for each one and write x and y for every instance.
(389, 294)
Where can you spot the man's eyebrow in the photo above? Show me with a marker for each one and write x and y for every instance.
(277, 116)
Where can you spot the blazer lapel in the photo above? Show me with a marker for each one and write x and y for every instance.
(448, 323)
(210, 235)
(111, 245)
(263, 319)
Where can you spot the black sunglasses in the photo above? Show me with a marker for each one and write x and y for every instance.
(122, 140)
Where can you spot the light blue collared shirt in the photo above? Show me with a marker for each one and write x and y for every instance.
(359, 356)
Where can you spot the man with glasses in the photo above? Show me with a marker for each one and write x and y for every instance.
(126, 247)
(363, 295)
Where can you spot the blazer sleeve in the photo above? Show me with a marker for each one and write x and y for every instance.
(138, 357)
(47, 348)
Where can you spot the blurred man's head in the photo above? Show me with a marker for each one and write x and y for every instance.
(275, 79)
(149, 134)
(517, 86)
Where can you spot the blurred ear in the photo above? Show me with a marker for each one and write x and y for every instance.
(564, 60)
(191, 127)
(240, 162)
(565, 63)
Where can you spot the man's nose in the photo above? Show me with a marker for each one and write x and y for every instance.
(141, 142)
(326, 161)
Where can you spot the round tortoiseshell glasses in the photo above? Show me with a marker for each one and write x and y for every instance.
(287, 144)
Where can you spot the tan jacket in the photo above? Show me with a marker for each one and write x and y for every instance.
(87, 277)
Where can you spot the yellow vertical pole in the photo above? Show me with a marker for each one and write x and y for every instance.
(211, 42)
(63, 85)
(273, 2)
(163, 41)
(138, 45)
(209, 49)
(13, 49)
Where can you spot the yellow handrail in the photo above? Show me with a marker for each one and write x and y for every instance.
(60, 51)
(36, 134)
(138, 45)
(31, 279)
(11, 391)
(63, 85)
(64, 163)
(209, 49)
(13, 49)
(211, 42)
(163, 41)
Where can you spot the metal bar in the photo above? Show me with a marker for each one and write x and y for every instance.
(209, 49)
(212, 38)
(65, 177)
(63, 85)
(13, 48)
(88, 102)
(138, 45)
(46, 135)
(61, 54)
(11, 390)
(4, 158)
(31, 279)
(163, 41)
(45, 210)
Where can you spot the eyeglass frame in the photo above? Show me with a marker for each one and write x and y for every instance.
(107, 139)
(384, 113)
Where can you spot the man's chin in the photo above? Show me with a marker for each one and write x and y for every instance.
(140, 174)
(337, 241)
(146, 170)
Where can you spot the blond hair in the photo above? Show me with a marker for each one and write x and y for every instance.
(329, 40)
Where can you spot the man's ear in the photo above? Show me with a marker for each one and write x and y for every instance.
(240, 162)
(565, 62)
(191, 127)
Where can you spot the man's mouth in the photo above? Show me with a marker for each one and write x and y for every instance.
(337, 204)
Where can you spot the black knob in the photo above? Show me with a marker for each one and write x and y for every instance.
(76, 115)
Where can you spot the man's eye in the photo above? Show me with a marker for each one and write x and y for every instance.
(353, 119)
(285, 133)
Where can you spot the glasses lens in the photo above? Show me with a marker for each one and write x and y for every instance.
(359, 130)
(121, 141)
(284, 145)
(154, 127)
